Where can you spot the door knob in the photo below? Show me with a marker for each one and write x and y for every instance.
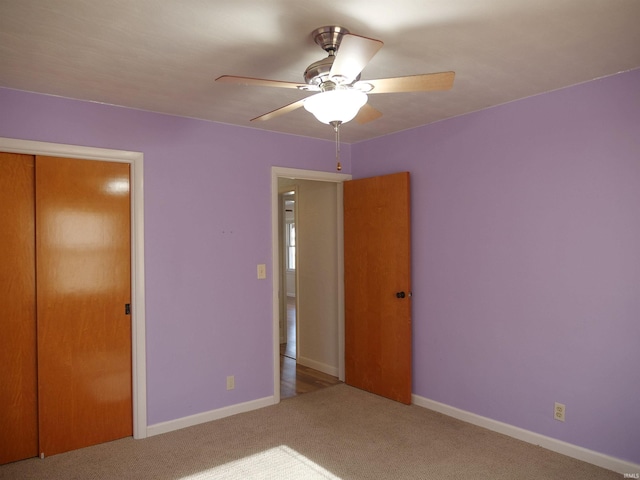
(400, 294)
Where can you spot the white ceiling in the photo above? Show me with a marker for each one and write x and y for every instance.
(163, 55)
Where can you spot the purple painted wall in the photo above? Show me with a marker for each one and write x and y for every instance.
(526, 260)
(207, 225)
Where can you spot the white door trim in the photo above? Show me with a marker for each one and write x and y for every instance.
(138, 344)
(282, 172)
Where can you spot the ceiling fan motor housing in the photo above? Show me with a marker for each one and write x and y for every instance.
(329, 39)
(318, 72)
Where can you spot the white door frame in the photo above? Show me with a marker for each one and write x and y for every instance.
(138, 344)
(283, 172)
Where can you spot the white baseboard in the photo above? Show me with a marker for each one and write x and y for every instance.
(217, 414)
(558, 446)
(321, 367)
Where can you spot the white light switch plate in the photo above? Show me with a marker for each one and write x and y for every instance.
(262, 271)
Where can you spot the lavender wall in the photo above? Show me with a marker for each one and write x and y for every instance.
(526, 260)
(207, 225)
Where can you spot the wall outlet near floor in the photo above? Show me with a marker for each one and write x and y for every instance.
(231, 382)
(558, 412)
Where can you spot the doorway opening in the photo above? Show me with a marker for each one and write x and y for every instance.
(315, 299)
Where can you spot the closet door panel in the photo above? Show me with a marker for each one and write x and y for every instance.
(18, 383)
(83, 283)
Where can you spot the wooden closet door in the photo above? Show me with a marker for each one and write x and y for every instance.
(18, 384)
(83, 283)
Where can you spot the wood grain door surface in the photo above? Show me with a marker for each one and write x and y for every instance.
(83, 283)
(377, 263)
(65, 347)
(18, 380)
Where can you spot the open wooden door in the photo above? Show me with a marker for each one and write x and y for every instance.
(377, 264)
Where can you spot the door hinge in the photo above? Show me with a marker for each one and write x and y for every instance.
(127, 309)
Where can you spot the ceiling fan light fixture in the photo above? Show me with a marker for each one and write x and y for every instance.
(335, 105)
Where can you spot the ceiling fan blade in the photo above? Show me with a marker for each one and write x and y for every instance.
(259, 82)
(367, 114)
(413, 83)
(353, 55)
(280, 111)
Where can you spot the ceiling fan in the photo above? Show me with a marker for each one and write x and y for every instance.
(341, 95)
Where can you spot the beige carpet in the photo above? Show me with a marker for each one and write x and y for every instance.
(336, 433)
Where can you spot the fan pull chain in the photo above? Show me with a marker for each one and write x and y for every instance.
(336, 128)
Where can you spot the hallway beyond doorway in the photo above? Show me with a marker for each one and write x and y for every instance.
(297, 379)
